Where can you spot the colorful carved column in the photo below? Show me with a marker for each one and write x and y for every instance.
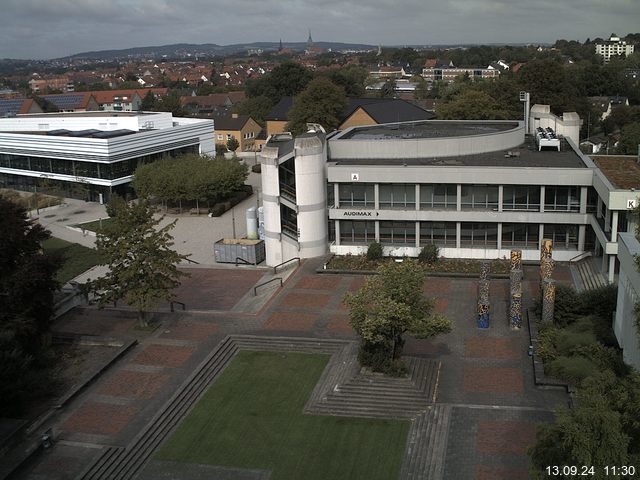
(483, 304)
(515, 305)
(485, 269)
(548, 300)
(516, 260)
(546, 247)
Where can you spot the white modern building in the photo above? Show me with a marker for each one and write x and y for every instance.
(613, 47)
(477, 189)
(625, 325)
(92, 154)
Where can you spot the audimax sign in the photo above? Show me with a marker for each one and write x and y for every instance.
(359, 213)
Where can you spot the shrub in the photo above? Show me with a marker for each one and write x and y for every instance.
(601, 302)
(218, 209)
(571, 369)
(566, 342)
(376, 357)
(374, 252)
(429, 254)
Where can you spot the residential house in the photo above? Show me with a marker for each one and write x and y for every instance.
(216, 104)
(10, 107)
(606, 104)
(241, 127)
(73, 102)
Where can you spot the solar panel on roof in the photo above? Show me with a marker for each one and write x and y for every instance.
(10, 106)
(66, 101)
(84, 133)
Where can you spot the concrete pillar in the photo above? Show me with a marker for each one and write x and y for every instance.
(417, 234)
(417, 197)
(459, 197)
(607, 220)
(485, 270)
(542, 190)
(499, 236)
(582, 233)
(336, 195)
(337, 228)
(515, 305)
(376, 196)
(458, 232)
(614, 226)
(378, 231)
(500, 197)
(546, 248)
(540, 235)
(584, 191)
(612, 268)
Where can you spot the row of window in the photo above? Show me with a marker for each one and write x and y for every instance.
(444, 196)
(77, 168)
(523, 235)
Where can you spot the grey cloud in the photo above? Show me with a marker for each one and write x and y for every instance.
(38, 29)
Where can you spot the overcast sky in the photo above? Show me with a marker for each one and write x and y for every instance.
(56, 28)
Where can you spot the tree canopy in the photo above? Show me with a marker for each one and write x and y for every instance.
(388, 306)
(189, 177)
(27, 287)
(142, 264)
(287, 79)
(472, 105)
(321, 102)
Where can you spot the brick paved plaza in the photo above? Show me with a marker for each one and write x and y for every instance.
(485, 376)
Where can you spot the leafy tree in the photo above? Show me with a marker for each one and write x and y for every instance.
(388, 89)
(321, 102)
(148, 103)
(388, 306)
(27, 286)
(233, 144)
(220, 149)
(287, 79)
(630, 139)
(472, 105)
(549, 84)
(352, 78)
(170, 103)
(142, 265)
(256, 107)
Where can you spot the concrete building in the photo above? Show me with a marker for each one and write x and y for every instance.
(92, 154)
(625, 325)
(613, 47)
(477, 189)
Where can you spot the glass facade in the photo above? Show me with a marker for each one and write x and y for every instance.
(521, 197)
(400, 196)
(398, 233)
(287, 177)
(357, 233)
(524, 235)
(481, 197)
(438, 196)
(356, 195)
(564, 199)
(479, 235)
(438, 233)
(564, 237)
(79, 168)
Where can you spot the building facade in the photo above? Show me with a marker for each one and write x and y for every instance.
(92, 154)
(476, 189)
(613, 47)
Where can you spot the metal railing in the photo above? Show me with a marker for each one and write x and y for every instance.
(284, 263)
(255, 289)
(192, 261)
(577, 258)
(179, 303)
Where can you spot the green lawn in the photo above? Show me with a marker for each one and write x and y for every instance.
(251, 417)
(77, 258)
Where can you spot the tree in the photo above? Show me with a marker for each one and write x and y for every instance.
(27, 287)
(630, 139)
(472, 105)
(388, 306)
(256, 107)
(321, 102)
(287, 79)
(233, 144)
(142, 265)
(148, 103)
(388, 89)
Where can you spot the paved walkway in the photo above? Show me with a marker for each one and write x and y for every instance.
(485, 382)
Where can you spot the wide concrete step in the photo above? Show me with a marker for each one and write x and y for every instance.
(364, 411)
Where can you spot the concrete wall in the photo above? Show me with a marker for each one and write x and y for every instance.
(628, 295)
(568, 125)
(427, 147)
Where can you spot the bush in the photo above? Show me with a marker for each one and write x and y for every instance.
(601, 302)
(571, 369)
(566, 342)
(218, 209)
(429, 254)
(374, 252)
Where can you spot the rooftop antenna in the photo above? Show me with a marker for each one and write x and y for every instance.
(525, 97)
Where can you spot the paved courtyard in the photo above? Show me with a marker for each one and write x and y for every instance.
(485, 377)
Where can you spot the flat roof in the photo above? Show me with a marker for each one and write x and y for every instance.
(428, 129)
(622, 171)
(525, 155)
(96, 113)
